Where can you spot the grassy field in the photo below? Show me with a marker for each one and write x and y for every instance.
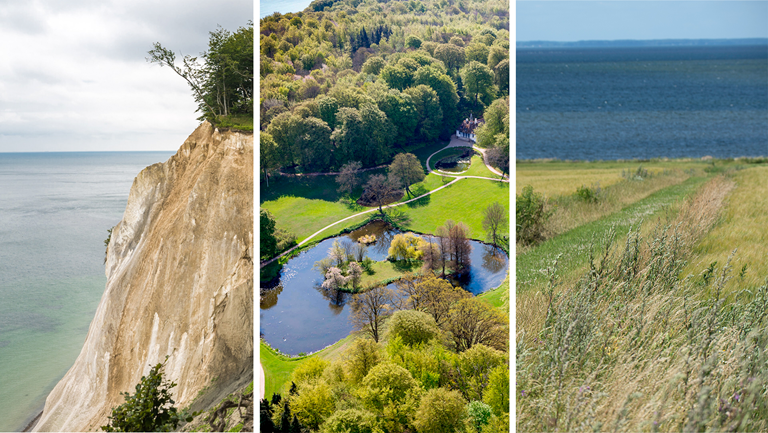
(559, 178)
(744, 225)
(463, 201)
(649, 339)
(478, 168)
(277, 369)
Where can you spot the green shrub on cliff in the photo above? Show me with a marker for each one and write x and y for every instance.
(149, 409)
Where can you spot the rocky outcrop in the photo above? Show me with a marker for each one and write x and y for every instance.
(180, 283)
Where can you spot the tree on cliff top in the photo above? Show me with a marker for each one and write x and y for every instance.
(221, 78)
(150, 408)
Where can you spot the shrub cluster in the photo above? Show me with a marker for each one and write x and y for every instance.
(531, 216)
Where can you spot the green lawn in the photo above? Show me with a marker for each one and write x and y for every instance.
(478, 168)
(277, 369)
(387, 271)
(498, 297)
(463, 201)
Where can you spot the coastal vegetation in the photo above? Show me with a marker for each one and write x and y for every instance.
(644, 314)
(221, 78)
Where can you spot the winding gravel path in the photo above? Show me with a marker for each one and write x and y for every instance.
(455, 142)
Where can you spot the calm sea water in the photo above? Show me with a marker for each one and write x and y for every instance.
(623, 103)
(55, 209)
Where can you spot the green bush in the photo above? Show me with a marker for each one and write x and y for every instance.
(587, 194)
(150, 409)
(413, 326)
(531, 216)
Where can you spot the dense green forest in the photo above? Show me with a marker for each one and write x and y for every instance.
(221, 78)
(362, 81)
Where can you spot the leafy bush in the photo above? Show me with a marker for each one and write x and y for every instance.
(150, 408)
(531, 216)
(413, 326)
(587, 194)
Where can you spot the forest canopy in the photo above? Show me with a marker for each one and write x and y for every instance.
(352, 80)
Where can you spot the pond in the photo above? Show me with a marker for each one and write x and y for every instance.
(457, 163)
(298, 315)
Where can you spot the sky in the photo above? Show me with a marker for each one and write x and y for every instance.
(567, 21)
(268, 7)
(73, 75)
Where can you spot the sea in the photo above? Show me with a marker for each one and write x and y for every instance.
(55, 210)
(642, 103)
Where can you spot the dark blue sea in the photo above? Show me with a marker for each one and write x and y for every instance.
(627, 103)
(55, 210)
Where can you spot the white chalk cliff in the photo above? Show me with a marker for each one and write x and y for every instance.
(180, 283)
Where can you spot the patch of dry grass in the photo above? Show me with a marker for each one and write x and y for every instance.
(561, 178)
(632, 347)
(570, 212)
(743, 225)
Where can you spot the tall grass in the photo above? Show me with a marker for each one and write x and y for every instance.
(632, 347)
(570, 211)
(743, 223)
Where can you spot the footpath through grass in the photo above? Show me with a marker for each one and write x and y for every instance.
(573, 246)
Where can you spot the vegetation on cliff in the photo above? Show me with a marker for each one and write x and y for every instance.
(221, 78)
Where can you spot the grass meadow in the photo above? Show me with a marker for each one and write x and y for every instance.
(642, 319)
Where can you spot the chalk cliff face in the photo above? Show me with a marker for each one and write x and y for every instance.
(180, 283)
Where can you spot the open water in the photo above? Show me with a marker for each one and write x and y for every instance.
(300, 316)
(55, 209)
(626, 103)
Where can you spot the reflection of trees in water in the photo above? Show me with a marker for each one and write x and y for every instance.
(493, 259)
(336, 298)
(269, 297)
(383, 232)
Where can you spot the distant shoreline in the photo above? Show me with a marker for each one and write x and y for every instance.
(635, 160)
(629, 43)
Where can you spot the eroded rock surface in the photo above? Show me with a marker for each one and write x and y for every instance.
(180, 283)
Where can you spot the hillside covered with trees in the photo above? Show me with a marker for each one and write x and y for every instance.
(355, 80)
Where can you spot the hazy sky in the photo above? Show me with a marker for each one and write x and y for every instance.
(268, 7)
(73, 74)
(611, 20)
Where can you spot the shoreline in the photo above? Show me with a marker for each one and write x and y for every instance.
(33, 422)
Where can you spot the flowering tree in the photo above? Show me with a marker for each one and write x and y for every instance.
(334, 279)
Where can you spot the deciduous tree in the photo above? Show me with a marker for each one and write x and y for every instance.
(495, 222)
(477, 79)
(370, 309)
(429, 113)
(360, 358)
(472, 321)
(150, 408)
(380, 189)
(348, 177)
(267, 238)
(407, 169)
(441, 411)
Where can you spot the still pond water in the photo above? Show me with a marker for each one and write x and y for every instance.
(299, 316)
